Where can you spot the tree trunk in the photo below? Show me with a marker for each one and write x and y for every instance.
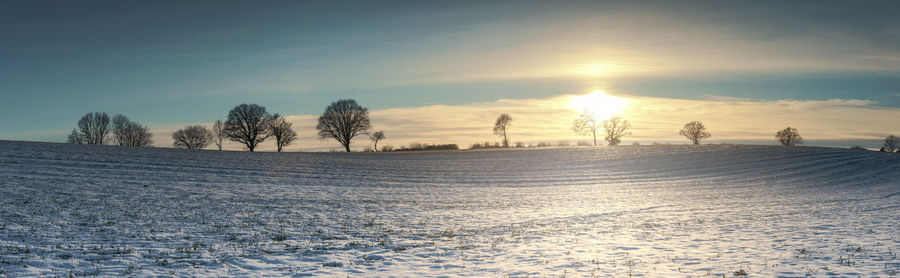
(347, 146)
(595, 138)
(376, 146)
(505, 141)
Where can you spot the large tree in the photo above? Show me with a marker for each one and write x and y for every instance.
(343, 120)
(789, 137)
(192, 137)
(93, 128)
(502, 126)
(281, 130)
(377, 136)
(248, 124)
(891, 143)
(616, 128)
(218, 130)
(128, 133)
(586, 124)
(695, 131)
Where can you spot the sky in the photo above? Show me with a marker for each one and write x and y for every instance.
(442, 71)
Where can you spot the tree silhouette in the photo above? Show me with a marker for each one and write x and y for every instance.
(586, 124)
(695, 131)
(281, 130)
(502, 126)
(75, 137)
(192, 137)
(93, 128)
(248, 124)
(789, 137)
(343, 120)
(891, 143)
(377, 136)
(218, 130)
(128, 133)
(616, 128)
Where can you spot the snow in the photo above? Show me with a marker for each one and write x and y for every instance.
(652, 211)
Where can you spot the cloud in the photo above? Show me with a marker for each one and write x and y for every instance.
(654, 120)
(602, 40)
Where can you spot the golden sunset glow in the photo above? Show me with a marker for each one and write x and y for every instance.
(595, 69)
(600, 104)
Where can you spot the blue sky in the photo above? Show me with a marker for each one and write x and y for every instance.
(166, 63)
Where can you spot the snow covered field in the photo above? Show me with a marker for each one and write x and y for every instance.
(657, 211)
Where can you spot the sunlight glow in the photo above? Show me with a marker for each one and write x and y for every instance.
(602, 105)
(595, 69)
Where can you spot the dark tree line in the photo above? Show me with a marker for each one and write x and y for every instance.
(248, 124)
(344, 120)
(128, 133)
(94, 129)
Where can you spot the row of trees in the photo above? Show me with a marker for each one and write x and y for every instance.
(248, 124)
(344, 120)
(251, 125)
(94, 129)
(615, 128)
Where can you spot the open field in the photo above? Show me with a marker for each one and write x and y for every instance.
(652, 211)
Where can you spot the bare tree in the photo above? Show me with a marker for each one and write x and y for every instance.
(75, 137)
(586, 124)
(218, 130)
(616, 128)
(695, 131)
(120, 129)
(93, 128)
(891, 143)
(343, 120)
(192, 137)
(377, 136)
(789, 137)
(502, 126)
(128, 133)
(248, 124)
(281, 130)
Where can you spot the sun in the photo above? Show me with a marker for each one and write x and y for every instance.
(603, 106)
